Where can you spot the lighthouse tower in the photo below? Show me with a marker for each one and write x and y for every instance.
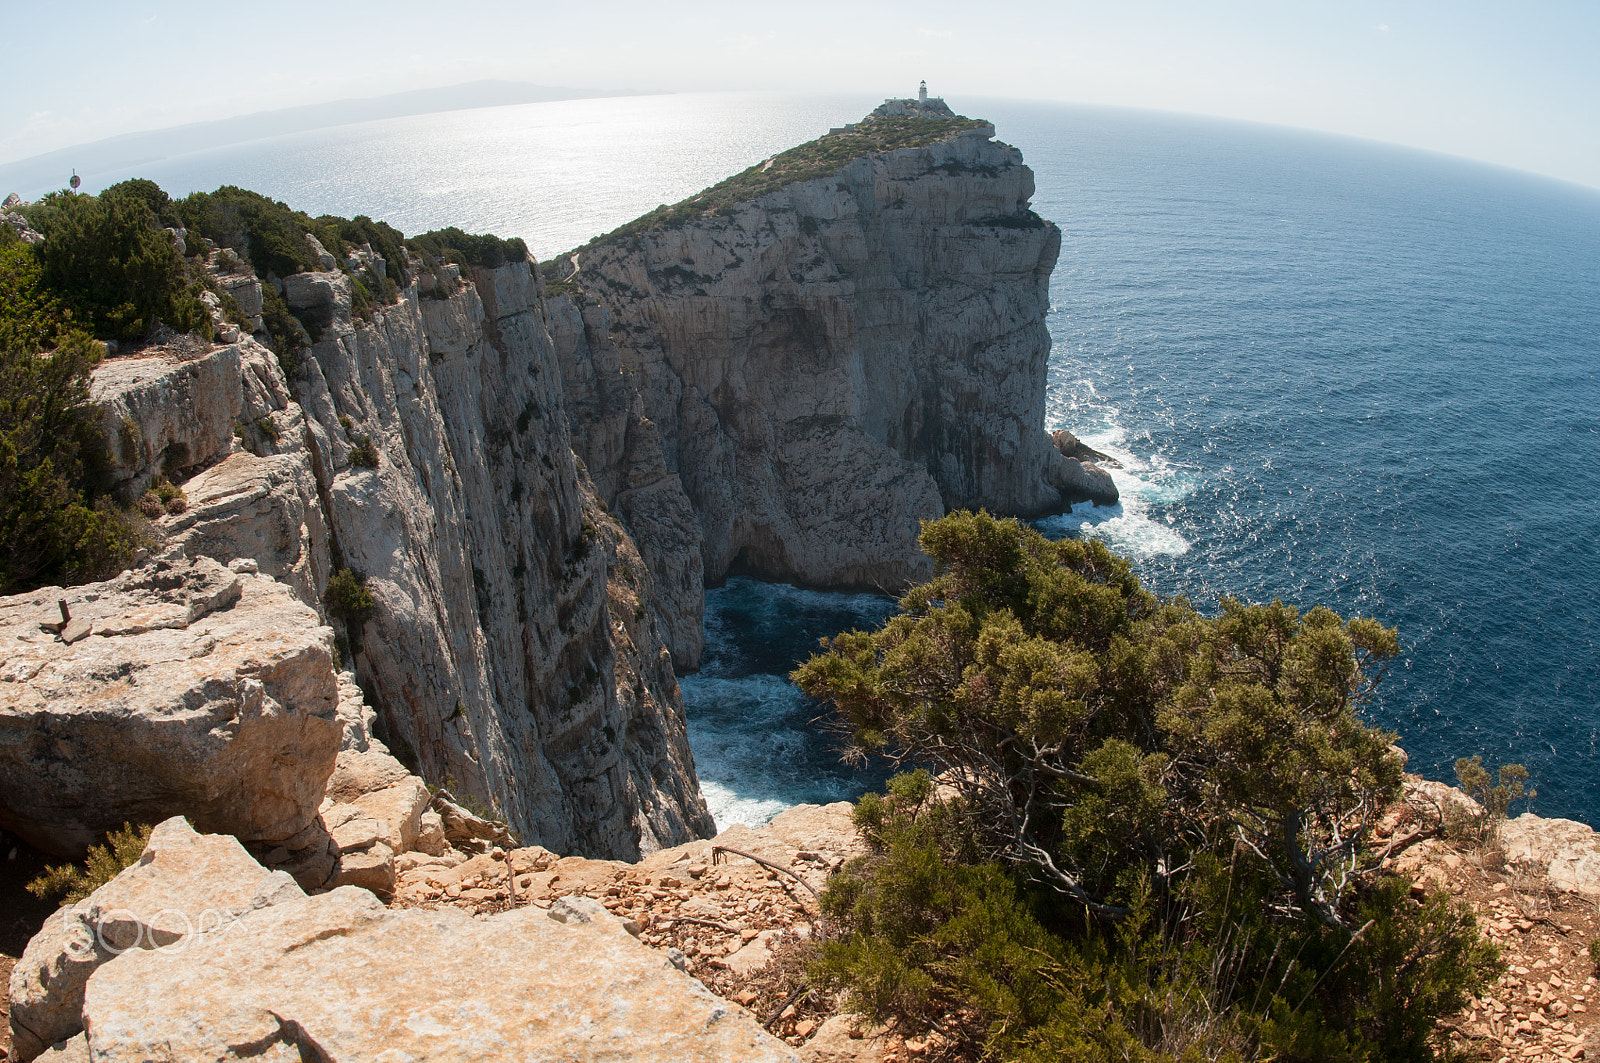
(922, 94)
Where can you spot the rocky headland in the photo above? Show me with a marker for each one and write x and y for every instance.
(822, 355)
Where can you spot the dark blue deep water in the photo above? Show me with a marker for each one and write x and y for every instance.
(1354, 376)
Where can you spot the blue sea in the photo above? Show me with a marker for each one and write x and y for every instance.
(1334, 372)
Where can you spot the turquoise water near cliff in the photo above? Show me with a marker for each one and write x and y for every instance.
(1335, 372)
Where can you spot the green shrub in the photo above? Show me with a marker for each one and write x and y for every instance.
(1496, 794)
(122, 849)
(170, 496)
(55, 526)
(110, 259)
(348, 599)
(467, 249)
(1154, 835)
(268, 234)
(339, 235)
(288, 338)
(364, 455)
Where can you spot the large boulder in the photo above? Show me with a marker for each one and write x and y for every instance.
(340, 977)
(188, 689)
(260, 507)
(168, 411)
(184, 884)
(1565, 851)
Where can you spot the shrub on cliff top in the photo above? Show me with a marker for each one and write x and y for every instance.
(1153, 837)
(55, 526)
(110, 259)
(467, 249)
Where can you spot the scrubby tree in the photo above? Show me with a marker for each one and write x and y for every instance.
(55, 523)
(1128, 784)
(110, 258)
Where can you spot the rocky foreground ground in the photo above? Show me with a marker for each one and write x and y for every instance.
(321, 902)
(692, 953)
(731, 922)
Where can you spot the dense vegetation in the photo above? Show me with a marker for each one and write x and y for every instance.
(813, 159)
(109, 260)
(467, 249)
(1152, 833)
(56, 524)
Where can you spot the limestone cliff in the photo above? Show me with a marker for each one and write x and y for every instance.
(535, 487)
(823, 365)
(513, 650)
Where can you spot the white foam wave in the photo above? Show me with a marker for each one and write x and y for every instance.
(728, 807)
(752, 750)
(1136, 526)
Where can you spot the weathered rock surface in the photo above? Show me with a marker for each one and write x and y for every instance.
(496, 655)
(198, 692)
(835, 361)
(1079, 477)
(168, 411)
(184, 884)
(621, 450)
(340, 977)
(1566, 852)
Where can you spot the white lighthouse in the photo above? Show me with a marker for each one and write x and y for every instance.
(922, 94)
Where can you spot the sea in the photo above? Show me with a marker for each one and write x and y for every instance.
(1333, 372)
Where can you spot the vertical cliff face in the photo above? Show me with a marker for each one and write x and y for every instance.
(513, 650)
(829, 363)
(621, 449)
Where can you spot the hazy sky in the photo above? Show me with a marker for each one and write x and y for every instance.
(1515, 84)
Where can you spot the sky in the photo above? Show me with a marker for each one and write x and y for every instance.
(1513, 84)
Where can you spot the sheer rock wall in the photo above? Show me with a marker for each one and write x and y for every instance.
(510, 655)
(829, 364)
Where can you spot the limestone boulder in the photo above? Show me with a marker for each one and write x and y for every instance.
(1071, 446)
(260, 507)
(320, 300)
(168, 412)
(185, 884)
(845, 1039)
(1439, 801)
(1566, 852)
(340, 977)
(1084, 480)
(197, 691)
